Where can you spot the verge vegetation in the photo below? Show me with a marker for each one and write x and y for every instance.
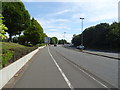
(12, 52)
(16, 21)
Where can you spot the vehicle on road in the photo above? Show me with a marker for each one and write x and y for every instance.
(80, 47)
(55, 45)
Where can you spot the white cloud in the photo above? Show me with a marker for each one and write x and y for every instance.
(53, 30)
(53, 23)
(58, 13)
(107, 16)
(62, 12)
(50, 21)
(97, 10)
(93, 11)
(59, 20)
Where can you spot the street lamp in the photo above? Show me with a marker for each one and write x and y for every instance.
(82, 30)
(64, 37)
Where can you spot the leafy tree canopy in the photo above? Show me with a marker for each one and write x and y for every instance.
(17, 18)
(53, 40)
(102, 36)
(2, 28)
(62, 41)
(34, 33)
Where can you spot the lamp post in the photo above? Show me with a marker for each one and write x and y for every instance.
(82, 31)
(64, 37)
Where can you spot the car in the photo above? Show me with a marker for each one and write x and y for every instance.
(80, 47)
(55, 45)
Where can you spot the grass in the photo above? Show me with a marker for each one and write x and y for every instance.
(39, 45)
(10, 52)
(6, 57)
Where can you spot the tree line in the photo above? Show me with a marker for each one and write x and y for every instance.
(101, 36)
(54, 40)
(20, 25)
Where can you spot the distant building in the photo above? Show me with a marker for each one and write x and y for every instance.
(119, 11)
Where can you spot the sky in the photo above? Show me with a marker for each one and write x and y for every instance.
(59, 16)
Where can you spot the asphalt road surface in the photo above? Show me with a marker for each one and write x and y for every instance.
(58, 67)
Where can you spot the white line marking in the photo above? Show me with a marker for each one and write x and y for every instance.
(93, 78)
(88, 74)
(64, 76)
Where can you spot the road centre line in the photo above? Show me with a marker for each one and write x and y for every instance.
(64, 76)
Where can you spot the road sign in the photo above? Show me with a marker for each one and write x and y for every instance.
(47, 39)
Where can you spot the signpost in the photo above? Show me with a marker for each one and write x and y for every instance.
(47, 40)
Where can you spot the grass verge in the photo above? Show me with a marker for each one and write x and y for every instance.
(10, 52)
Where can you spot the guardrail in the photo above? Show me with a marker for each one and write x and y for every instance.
(8, 72)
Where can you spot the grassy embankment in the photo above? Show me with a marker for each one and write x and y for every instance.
(10, 52)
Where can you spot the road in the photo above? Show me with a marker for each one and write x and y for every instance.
(108, 54)
(58, 67)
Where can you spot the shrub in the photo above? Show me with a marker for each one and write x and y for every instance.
(6, 56)
(11, 52)
(20, 52)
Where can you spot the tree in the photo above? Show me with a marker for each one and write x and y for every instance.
(2, 29)
(62, 41)
(15, 39)
(53, 40)
(43, 37)
(113, 36)
(17, 18)
(34, 33)
(76, 40)
(100, 36)
(88, 36)
(101, 30)
(22, 40)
